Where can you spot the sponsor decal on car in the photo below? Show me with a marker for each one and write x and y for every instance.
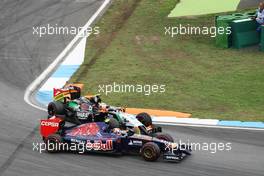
(89, 129)
(52, 124)
(82, 115)
(135, 142)
(49, 126)
(172, 157)
(99, 145)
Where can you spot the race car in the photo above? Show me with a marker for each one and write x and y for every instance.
(79, 110)
(100, 137)
(76, 109)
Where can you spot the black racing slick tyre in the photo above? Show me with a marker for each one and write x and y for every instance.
(150, 151)
(144, 118)
(56, 108)
(165, 137)
(53, 143)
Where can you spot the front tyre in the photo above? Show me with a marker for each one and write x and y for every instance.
(150, 151)
(144, 118)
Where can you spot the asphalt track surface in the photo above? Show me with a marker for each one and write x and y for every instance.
(24, 56)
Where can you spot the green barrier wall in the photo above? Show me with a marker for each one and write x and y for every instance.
(224, 40)
(244, 33)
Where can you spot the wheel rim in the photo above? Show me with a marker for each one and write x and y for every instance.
(148, 153)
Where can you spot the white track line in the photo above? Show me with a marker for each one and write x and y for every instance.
(37, 82)
(210, 126)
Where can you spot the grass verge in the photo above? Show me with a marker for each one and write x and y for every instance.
(200, 79)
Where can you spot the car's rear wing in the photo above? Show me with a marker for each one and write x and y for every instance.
(50, 126)
(69, 91)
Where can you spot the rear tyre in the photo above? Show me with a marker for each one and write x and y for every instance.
(150, 151)
(144, 118)
(56, 108)
(53, 143)
(165, 137)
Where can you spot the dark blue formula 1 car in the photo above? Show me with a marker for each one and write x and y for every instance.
(98, 137)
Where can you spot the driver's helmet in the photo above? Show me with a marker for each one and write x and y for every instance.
(96, 99)
(103, 107)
